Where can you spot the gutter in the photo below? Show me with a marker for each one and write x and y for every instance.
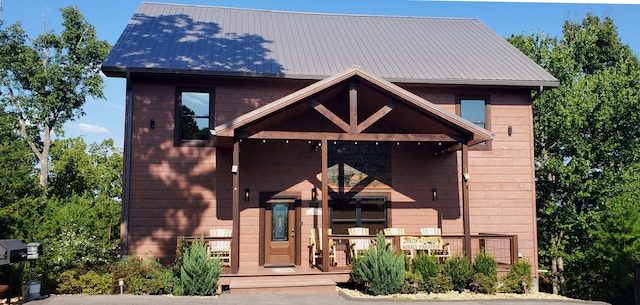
(120, 71)
(126, 189)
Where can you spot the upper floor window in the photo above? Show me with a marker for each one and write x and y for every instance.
(476, 110)
(194, 109)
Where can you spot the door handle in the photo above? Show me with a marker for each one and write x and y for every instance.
(293, 231)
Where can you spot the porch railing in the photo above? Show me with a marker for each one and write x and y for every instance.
(504, 248)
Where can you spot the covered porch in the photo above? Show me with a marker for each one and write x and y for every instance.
(353, 122)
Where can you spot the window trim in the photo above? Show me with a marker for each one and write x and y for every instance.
(487, 113)
(179, 119)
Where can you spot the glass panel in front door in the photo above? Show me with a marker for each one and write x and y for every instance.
(280, 221)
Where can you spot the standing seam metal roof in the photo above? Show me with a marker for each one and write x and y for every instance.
(228, 41)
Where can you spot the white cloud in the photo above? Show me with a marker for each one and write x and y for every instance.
(92, 128)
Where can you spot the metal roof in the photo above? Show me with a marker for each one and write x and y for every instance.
(227, 41)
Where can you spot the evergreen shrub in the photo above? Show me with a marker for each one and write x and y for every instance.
(380, 269)
(439, 284)
(485, 279)
(519, 279)
(482, 283)
(413, 282)
(460, 270)
(199, 273)
(484, 263)
(427, 265)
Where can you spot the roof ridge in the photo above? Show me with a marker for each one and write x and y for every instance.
(308, 13)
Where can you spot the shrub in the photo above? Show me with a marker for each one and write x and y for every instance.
(485, 279)
(482, 283)
(381, 269)
(439, 284)
(484, 263)
(142, 276)
(519, 279)
(427, 265)
(68, 282)
(413, 282)
(92, 282)
(460, 270)
(355, 274)
(199, 274)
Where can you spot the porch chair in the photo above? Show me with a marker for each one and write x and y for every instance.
(315, 247)
(221, 248)
(442, 250)
(396, 232)
(431, 231)
(357, 246)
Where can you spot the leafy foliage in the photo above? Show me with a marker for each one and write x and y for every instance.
(71, 282)
(199, 273)
(381, 269)
(587, 141)
(142, 276)
(44, 81)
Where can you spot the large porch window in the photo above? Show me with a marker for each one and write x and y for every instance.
(367, 212)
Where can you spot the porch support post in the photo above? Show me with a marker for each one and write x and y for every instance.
(465, 200)
(326, 220)
(235, 239)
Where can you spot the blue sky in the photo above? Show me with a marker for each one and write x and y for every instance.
(105, 118)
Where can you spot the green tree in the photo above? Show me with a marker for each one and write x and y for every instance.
(44, 82)
(587, 134)
(79, 221)
(17, 177)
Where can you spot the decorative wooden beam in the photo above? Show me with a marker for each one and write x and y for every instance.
(330, 115)
(376, 116)
(353, 107)
(392, 137)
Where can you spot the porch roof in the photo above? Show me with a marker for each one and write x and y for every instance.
(448, 126)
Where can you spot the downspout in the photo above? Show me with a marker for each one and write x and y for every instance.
(126, 187)
(540, 90)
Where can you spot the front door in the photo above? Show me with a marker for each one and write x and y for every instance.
(280, 233)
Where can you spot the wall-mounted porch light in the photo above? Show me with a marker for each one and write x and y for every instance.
(434, 194)
(314, 194)
(247, 195)
(510, 130)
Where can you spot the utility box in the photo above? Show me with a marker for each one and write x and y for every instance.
(12, 251)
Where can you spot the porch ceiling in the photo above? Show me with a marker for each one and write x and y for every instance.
(353, 105)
